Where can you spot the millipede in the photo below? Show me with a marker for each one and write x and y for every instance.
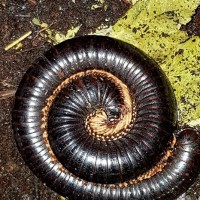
(96, 118)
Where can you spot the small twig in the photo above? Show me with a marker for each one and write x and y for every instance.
(17, 41)
(43, 29)
(6, 94)
(5, 84)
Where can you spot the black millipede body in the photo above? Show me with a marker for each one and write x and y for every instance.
(95, 118)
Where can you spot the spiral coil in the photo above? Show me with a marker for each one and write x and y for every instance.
(95, 119)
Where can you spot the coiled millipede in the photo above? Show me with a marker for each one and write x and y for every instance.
(96, 118)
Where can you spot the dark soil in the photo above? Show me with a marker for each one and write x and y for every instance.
(16, 181)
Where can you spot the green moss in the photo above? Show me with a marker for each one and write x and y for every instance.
(154, 27)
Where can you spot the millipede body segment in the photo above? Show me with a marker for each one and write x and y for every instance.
(96, 118)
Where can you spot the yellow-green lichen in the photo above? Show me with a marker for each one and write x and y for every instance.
(154, 27)
(183, 68)
(53, 35)
(99, 4)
